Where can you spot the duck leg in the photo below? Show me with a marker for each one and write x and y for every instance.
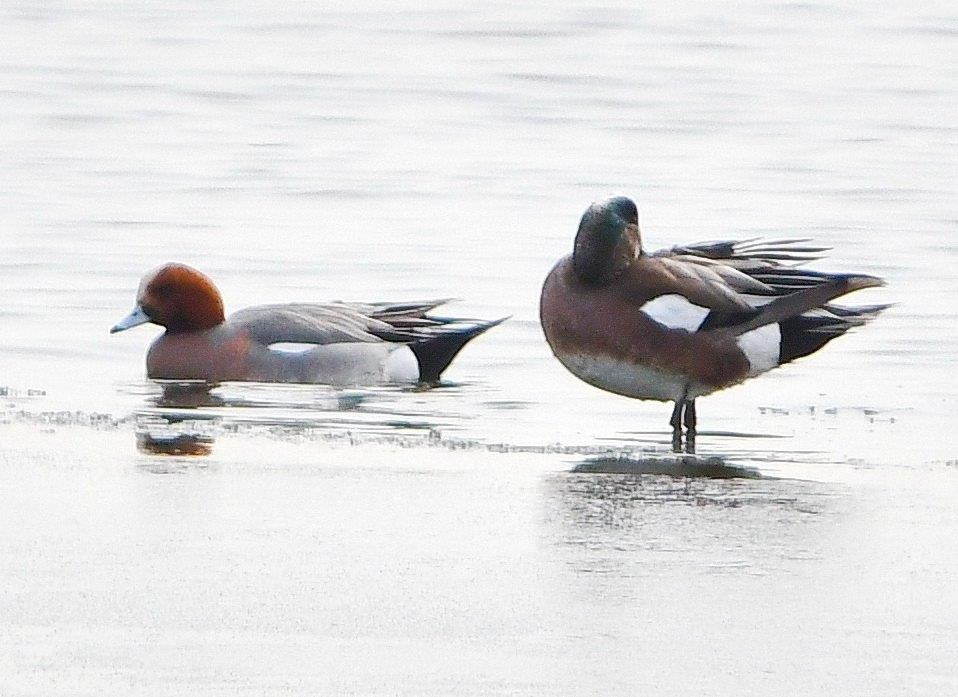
(689, 417)
(676, 423)
(683, 414)
(689, 421)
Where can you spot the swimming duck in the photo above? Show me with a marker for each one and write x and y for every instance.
(349, 343)
(681, 323)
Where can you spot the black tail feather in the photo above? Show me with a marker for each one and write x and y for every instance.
(807, 333)
(436, 350)
(804, 335)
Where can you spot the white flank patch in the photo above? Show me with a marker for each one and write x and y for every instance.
(761, 348)
(355, 363)
(401, 366)
(675, 312)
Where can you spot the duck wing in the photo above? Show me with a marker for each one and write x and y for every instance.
(342, 322)
(754, 266)
(308, 323)
(399, 315)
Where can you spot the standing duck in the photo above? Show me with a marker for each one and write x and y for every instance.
(682, 323)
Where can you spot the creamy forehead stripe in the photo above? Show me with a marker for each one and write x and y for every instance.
(675, 312)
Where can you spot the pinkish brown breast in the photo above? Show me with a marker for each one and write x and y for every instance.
(217, 355)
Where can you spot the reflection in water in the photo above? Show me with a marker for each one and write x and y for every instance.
(175, 465)
(168, 432)
(174, 444)
(186, 417)
(178, 410)
(625, 498)
(619, 521)
(679, 466)
(188, 394)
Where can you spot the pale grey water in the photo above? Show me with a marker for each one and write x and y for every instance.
(514, 532)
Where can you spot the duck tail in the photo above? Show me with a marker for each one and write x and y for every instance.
(808, 332)
(794, 304)
(436, 350)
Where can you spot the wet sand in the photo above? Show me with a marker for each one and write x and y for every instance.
(304, 566)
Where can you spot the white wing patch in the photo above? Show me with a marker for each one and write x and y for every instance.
(675, 312)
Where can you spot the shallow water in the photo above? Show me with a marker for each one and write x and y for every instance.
(513, 531)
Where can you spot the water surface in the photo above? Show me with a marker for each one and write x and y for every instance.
(513, 531)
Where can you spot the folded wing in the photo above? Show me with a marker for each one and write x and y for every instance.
(345, 322)
(761, 277)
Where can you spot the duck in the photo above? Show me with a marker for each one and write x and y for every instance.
(684, 322)
(338, 343)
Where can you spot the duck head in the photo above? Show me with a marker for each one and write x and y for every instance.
(178, 297)
(608, 240)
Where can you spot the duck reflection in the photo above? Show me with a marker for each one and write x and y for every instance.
(617, 519)
(185, 417)
(681, 466)
(188, 395)
(177, 425)
(174, 444)
(169, 432)
(622, 493)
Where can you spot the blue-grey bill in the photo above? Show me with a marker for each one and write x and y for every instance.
(133, 319)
